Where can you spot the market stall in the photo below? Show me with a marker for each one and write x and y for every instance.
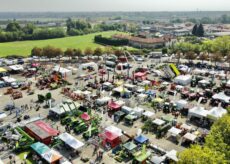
(103, 100)
(140, 75)
(109, 139)
(189, 137)
(63, 71)
(172, 156)
(181, 104)
(147, 115)
(175, 133)
(41, 131)
(221, 97)
(47, 154)
(122, 92)
(3, 115)
(113, 106)
(183, 79)
(198, 112)
(16, 68)
(141, 139)
(71, 141)
(216, 113)
(8, 79)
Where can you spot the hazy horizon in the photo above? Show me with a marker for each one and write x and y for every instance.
(113, 5)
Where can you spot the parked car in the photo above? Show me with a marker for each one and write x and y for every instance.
(9, 61)
(20, 61)
(9, 106)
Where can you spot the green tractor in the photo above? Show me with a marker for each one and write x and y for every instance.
(24, 142)
(80, 128)
(67, 119)
(71, 121)
(75, 123)
(91, 132)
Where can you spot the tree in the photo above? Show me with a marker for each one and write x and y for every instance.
(29, 28)
(207, 46)
(203, 56)
(13, 27)
(216, 57)
(190, 56)
(52, 52)
(200, 31)
(108, 50)
(37, 52)
(69, 53)
(228, 59)
(194, 29)
(118, 52)
(178, 57)
(196, 48)
(197, 154)
(88, 51)
(218, 139)
(222, 45)
(78, 52)
(98, 52)
(164, 50)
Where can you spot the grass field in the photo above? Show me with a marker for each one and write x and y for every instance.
(23, 48)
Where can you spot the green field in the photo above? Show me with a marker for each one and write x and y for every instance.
(23, 48)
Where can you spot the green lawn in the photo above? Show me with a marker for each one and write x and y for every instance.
(23, 48)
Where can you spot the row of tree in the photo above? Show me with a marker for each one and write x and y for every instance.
(110, 41)
(217, 50)
(14, 32)
(225, 19)
(52, 52)
(216, 148)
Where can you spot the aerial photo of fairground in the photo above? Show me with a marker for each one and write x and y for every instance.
(114, 82)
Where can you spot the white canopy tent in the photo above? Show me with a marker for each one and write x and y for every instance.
(103, 100)
(158, 122)
(183, 79)
(216, 113)
(2, 116)
(146, 82)
(16, 67)
(126, 109)
(148, 114)
(90, 64)
(8, 79)
(222, 97)
(200, 71)
(228, 83)
(174, 131)
(142, 96)
(58, 110)
(114, 130)
(62, 71)
(172, 155)
(190, 137)
(138, 111)
(71, 141)
(199, 112)
(181, 104)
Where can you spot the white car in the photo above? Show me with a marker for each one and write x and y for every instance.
(9, 61)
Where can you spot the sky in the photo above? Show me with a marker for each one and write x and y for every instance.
(113, 5)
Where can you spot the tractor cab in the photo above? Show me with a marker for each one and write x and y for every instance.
(90, 132)
(80, 128)
(119, 116)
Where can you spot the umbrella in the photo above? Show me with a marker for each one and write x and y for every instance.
(129, 146)
(141, 139)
